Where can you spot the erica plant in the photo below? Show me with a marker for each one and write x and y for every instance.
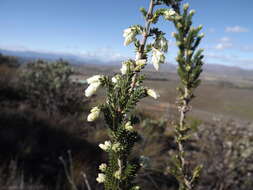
(190, 62)
(123, 92)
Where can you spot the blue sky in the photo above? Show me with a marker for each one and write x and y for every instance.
(94, 28)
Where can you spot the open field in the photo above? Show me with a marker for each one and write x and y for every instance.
(217, 97)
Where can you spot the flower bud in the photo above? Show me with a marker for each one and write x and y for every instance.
(117, 174)
(169, 14)
(189, 52)
(179, 25)
(192, 12)
(202, 35)
(153, 93)
(94, 114)
(140, 63)
(200, 27)
(188, 68)
(116, 147)
(186, 6)
(128, 126)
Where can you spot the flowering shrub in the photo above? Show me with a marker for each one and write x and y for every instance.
(125, 90)
(123, 93)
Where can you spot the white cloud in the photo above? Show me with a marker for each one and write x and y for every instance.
(224, 43)
(236, 29)
(102, 54)
(232, 60)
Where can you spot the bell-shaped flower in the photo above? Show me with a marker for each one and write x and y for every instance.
(162, 44)
(101, 178)
(157, 58)
(129, 35)
(115, 79)
(125, 66)
(102, 167)
(94, 114)
(94, 83)
(106, 146)
(123, 69)
(94, 79)
(92, 88)
(152, 93)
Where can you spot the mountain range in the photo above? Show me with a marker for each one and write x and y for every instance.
(221, 70)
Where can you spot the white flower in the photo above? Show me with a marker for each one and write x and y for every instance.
(114, 79)
(92, 88)
(101, 178)
(179, 25)
(192, 12)
(153, 93)
(202, 35)
(116, 147)
(102, 167)
(106, 146)
(136, 188)
(117, 174)
(123, 69)
(189, 52)
(125, 66)
(162, 43)
(169, 14)
(94, 83)
(94, 79)
(94, 114)
(157, 58)
(138, 56)
(128, 126)
(186, 6)
(129, 35)
(140, 64)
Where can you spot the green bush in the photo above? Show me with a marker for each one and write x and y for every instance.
(48, 87)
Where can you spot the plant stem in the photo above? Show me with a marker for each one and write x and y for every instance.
(183, 110)
(144, 38)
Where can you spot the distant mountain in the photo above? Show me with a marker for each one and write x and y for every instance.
(31, 55)
(209, 69)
